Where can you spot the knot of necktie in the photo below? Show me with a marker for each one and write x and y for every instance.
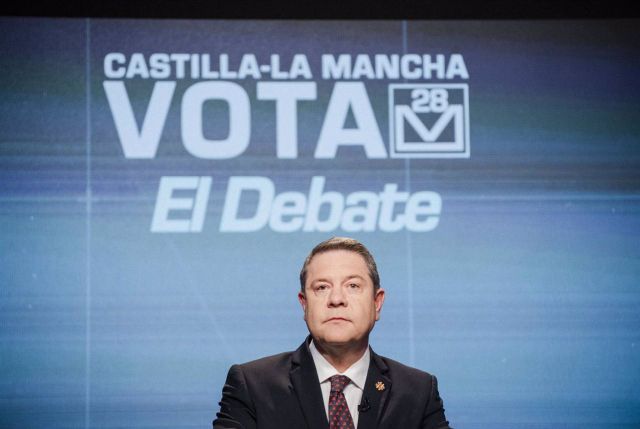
(339, 382)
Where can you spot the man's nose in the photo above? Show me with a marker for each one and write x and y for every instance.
(337, 296)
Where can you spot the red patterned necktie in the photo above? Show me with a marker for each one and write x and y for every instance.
(339, 415)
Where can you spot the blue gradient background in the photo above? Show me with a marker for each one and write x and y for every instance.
(524, 301)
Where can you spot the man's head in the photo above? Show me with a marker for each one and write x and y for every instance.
(342, 243)
(340, 292)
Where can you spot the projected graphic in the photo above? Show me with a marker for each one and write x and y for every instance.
(434, 103)
(161, 182)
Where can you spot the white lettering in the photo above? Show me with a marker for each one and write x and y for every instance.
(237, 185)
(300, 67)
(428, 66)
(207, 73)
(362, 67)
(108, 65)
(409, 72)
(358, 218)
(166, 203)
(340, 69)
(249, 67)
(426, 204)
(276, 73)
(141, 143)
(288, 204)
(387, 66)
(389, 197)
(345, 96)
(160, 68)
(457, 67)
(137, 67)
(324, 211)
(180, 61)
(239, 120)
(225, 73)
(286, 96)
(318, 198)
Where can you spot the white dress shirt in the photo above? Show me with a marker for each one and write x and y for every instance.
(353, 391)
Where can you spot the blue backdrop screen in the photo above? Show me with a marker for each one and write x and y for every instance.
(162, 181)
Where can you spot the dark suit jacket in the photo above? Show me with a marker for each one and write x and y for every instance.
(283, 392)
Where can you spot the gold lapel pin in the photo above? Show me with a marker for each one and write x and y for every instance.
(380, 386)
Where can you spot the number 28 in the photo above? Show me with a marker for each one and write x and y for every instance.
(425, 100)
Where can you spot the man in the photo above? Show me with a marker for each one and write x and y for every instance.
(334, 380)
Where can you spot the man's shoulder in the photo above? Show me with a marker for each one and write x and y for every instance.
(268, 363)
(271, 372)
(401, 372)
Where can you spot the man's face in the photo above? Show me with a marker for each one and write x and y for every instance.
(339, 303)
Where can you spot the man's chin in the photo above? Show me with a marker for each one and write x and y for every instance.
(340, 340)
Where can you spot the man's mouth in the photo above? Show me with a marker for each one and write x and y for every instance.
(337, 319)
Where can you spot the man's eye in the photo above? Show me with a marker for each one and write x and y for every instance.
(354, 285)
(321, 287)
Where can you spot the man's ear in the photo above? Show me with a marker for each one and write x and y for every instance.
(378, 300)
(303, 302)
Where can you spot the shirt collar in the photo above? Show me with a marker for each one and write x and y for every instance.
(356, 372)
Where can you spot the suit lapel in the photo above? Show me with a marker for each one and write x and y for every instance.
(304, 379)
(376, 392)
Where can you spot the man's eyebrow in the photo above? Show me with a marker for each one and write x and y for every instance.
(349, 277)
